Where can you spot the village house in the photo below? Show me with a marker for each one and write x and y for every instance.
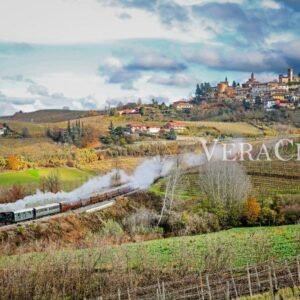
(177, 126)
(3, 129)
(285, 104)
(129, 111)
(269, 105)
(139, 127)
(182, 105)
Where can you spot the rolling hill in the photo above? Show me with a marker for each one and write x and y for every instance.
(49, 115)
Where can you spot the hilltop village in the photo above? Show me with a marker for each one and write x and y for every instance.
(283, 92)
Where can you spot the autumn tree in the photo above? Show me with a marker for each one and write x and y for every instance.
(252, 210)
(14, 163)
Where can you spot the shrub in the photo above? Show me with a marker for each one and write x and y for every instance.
(3, 163)
(17, 192)
(141, 221)
(201, 223)
(267, 216)
(111, 229)
(14, 163)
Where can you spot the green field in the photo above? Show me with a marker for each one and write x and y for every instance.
(34, 175)
(228, 248)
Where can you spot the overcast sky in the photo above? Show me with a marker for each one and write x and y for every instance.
(86, 54)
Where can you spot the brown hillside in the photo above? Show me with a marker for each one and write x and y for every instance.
(50, 115)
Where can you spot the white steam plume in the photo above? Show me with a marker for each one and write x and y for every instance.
(143, 176)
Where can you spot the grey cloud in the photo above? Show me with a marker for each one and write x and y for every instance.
(36, 89)
(88, 102)
(18, 78)
(246, 23)
(292, 4)
(21, 101)
(125, 16)
(149, 5)
(155, 62)
(168, 11)
(238, 59)
(117, 72)
(177, 80)
(14, 48)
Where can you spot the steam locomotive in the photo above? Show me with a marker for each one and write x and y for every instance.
(27, 214)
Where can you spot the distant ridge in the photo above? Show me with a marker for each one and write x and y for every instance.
(50, 115)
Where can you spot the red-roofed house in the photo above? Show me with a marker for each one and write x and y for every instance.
(138, 127)
(129, 111)
(178, 126)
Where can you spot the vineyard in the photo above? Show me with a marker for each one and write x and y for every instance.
(268, 178)
(270, 280)
(274, 177)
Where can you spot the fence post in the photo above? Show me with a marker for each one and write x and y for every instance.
(257, 278)
(249, 280)
(234, 286)
(208, 287)
(129, 298)
(275, 278)
(227, 295)
(298, 269)
(119, 294)
(201, 286)
(163, 291)
(271, 283)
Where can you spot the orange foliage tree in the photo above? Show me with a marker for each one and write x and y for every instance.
(14, 163)
(252, 210)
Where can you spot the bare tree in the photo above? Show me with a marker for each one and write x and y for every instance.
(172, 182)
(225, 185)
(51, 183)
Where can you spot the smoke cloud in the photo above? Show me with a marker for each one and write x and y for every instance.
(143, 176)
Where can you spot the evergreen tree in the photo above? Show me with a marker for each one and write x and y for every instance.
(142, 110)
(111, 128)
(172, 135)
(258, 101)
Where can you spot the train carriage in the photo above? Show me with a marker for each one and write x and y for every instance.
(56, 208)
(65, 206)
(6, 217)
(23, 215)
(98, 198)
(46, 210)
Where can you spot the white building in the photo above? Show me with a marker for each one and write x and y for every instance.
(269, 104)
(2, 130)
(138, 127)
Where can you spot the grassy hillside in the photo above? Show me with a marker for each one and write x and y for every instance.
(49, 115)
(236, 247)
(102, 270)
(34, 175)
(35, 130)
(229, 128)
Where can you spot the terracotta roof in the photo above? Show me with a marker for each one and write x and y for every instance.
(139, 124)
(181, 102)
(136, 124)
(175, 124)
(152, 125)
